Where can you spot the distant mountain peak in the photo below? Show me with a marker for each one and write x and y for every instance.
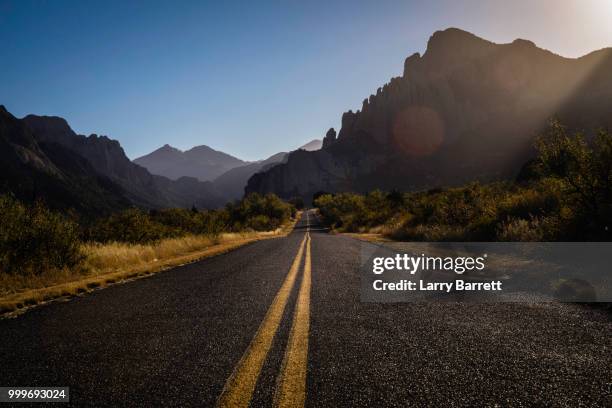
(314, 144)
(201, 162)
(201, 148)
(168, 148)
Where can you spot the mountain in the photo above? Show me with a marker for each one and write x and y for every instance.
(468, 109)
(105, 158)
(34, 170)
(313, 145)
(231, 184)
(200, 162)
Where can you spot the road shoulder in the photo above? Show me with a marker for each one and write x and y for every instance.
(15, 304)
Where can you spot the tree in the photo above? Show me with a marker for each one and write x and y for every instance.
(585, 170)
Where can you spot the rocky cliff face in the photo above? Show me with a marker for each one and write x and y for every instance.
(468, 109)
(33, 170)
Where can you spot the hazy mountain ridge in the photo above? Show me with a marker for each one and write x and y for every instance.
(209, 163)
(201, 162)
(314, 144)
(232, 183)
(468, 109)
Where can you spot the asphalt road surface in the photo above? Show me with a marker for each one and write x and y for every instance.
(280, 323)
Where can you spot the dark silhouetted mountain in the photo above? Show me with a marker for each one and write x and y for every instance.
(468, 109)
(42, 170)
(200, 162)
(231, 184)
(107, 158)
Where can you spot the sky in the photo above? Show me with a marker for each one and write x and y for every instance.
(248, 78)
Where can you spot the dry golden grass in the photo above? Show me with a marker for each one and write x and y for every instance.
(106, 258)
(367, 236)
(106, 264)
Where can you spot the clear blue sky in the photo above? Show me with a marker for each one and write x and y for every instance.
(248, 78)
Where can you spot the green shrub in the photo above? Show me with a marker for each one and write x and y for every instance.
(584, 172)
(259, 212)
(182, 221)
(260, 223)
(254, 212)
(134, 226)
(34, 239)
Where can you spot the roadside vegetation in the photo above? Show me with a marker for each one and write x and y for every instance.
(137, 226)
(40, 248)
(565, 194)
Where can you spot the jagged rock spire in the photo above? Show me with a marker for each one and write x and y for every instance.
(330, 138)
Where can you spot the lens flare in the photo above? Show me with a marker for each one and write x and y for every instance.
(418, 131)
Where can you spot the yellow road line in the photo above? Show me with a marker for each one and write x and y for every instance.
(238, 389)
(291, 384)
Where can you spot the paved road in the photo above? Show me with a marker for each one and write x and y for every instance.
(280, 322)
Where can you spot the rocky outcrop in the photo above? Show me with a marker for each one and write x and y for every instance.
(329, 139)
(468, 109)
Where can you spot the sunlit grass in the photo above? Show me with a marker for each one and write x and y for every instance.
(114, 262)
(114, 256)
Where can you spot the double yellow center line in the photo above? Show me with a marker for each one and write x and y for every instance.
(291, 382)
